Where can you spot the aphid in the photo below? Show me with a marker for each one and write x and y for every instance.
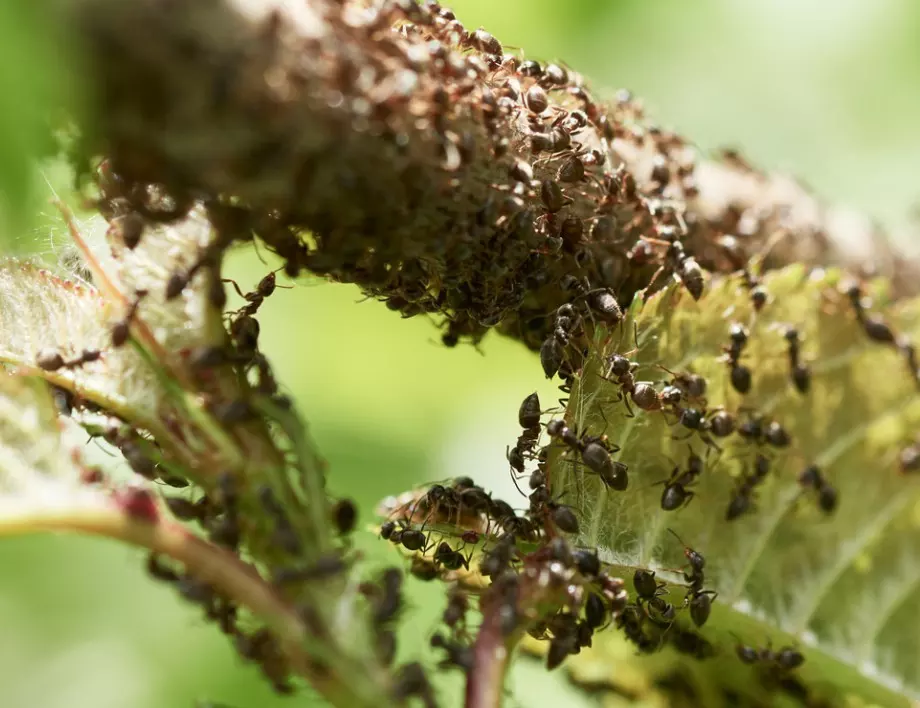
(138, 503)
(811, 478)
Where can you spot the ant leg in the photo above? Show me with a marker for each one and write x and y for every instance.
(630, 413)
(235, 286)
(686, 501)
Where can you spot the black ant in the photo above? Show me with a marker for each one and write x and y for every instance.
(677, 262)
(773, 433)
(647, 586)
(812, 478)
(529, 419)
(740, 375)
(675, 494)
(703, 423)
(451, 558)
(699, 600)
(595, 454)
(254, 299)
(801, 375)
(691, 386)
(459, 655)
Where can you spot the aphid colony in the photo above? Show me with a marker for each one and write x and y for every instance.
(586, 597)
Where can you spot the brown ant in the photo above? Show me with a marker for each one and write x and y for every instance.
(122, 328)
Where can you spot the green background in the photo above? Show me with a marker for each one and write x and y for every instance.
(827, 89)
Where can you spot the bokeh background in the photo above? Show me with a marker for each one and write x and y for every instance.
(826, 89)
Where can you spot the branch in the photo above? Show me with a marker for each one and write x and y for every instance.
(433, 170)
(95, 514)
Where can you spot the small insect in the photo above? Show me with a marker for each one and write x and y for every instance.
(595, 454)
(692, 386)
(122, 328)
(676, 494)
(740, 375)
(647, 586)
(688, 271)
(801, 375)
(811, 478)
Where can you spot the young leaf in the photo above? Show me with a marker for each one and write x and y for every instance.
(836, 577)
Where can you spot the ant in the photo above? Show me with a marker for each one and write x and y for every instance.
(529, 419)
(691, 386)
(647, 586)
(718, 422)
(677, 262)
(122, 328)
(50, 360)
(254, 299)
(801, 375)
(675, 494)
(773, 433)
(699, 600)
(740, 375)
(450, 558)
(595, 454)
(812, 478)
(742, 499)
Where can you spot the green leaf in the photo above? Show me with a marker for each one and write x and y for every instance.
(840, 586)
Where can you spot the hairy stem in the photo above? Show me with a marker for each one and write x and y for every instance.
(235, 579)
(491, 655)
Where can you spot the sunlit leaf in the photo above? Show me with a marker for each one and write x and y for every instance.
(839, 585)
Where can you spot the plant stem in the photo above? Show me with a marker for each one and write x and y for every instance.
(335, 676)
(491, 652)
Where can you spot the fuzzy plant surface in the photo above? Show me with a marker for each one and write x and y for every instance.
(809, 530)
(722, 510)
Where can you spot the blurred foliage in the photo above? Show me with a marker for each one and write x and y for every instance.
(32, 77)
(827, 90)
